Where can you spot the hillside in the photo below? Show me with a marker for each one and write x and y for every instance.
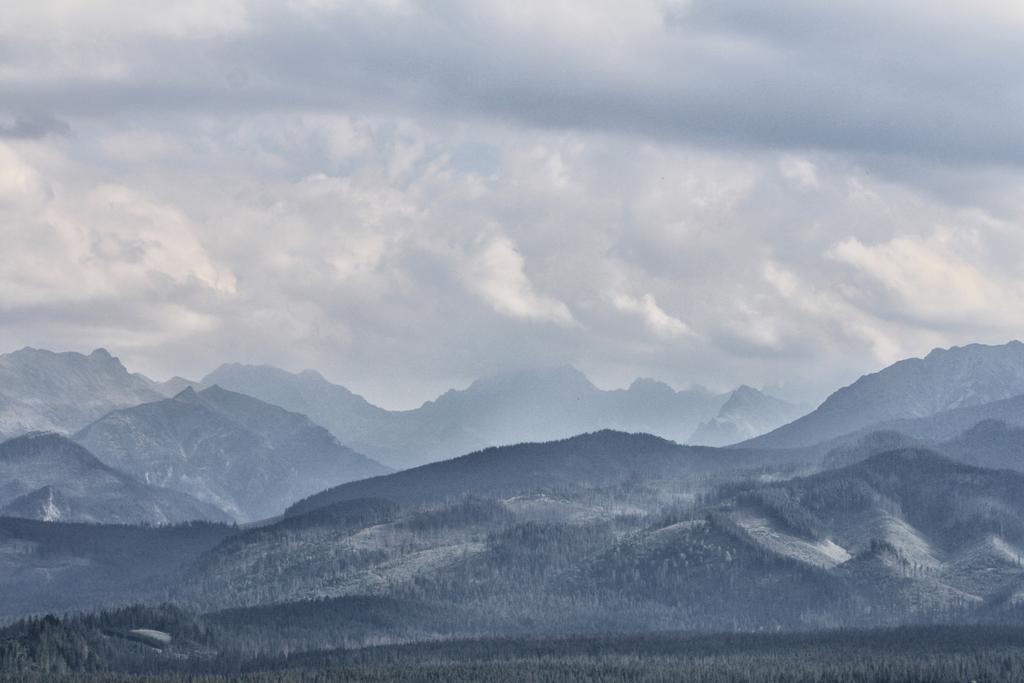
(56, 566)
(47, 477)
(595, 460)
(903, 536)
(657, 536)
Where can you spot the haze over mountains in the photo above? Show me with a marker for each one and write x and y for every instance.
(746, 414)
(245, 456)
(945, 379)
(535, 405)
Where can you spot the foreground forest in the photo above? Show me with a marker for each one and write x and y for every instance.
(909, 654)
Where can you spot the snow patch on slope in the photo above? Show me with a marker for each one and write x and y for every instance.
(822, 553)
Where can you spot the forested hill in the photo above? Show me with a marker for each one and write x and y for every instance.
(121, 647)
(597, 459)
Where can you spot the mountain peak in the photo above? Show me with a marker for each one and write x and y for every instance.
(945, 379)
(54, 450)
(939, 352)
(747, 412)
(648, 385)
(186, 394)
(746, 392)
(198, 443)
(63, 392)
(32, 442)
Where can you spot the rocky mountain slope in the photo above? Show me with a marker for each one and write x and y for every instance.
(245, 456)
(62, 392)
(176, 385)
(48, 477)
(944, 380)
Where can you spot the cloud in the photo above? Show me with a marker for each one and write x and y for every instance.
(720, 194)
(852, 77)
(33, 127)
(937, 279)
(800, 171)
(654, 317)
(497, 273)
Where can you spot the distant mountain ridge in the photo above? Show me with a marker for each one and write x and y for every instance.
(944, 380)
(531, 405)
(245, 456)
(48, 477)
(176, 385)
(62, 392)
(747, 413)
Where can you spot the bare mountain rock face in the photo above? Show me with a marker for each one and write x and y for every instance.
(247, 457)
(62, 392)
(944, 380)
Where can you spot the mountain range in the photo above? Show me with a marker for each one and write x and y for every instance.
(249, 458)
(534, 405)
(906, 535)
(898, 500)
(62, 392)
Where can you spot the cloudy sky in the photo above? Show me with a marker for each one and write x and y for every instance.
(407, 195)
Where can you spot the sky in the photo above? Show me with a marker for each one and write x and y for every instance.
(409, 195)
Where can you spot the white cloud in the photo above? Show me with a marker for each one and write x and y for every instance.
(305, 183)
(799, 171)
(497, 273)
(654, 317)
(20, 184)
(938, 278)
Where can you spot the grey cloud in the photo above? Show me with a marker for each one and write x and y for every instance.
(847, 76)
(33, 127)
(318, 187)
